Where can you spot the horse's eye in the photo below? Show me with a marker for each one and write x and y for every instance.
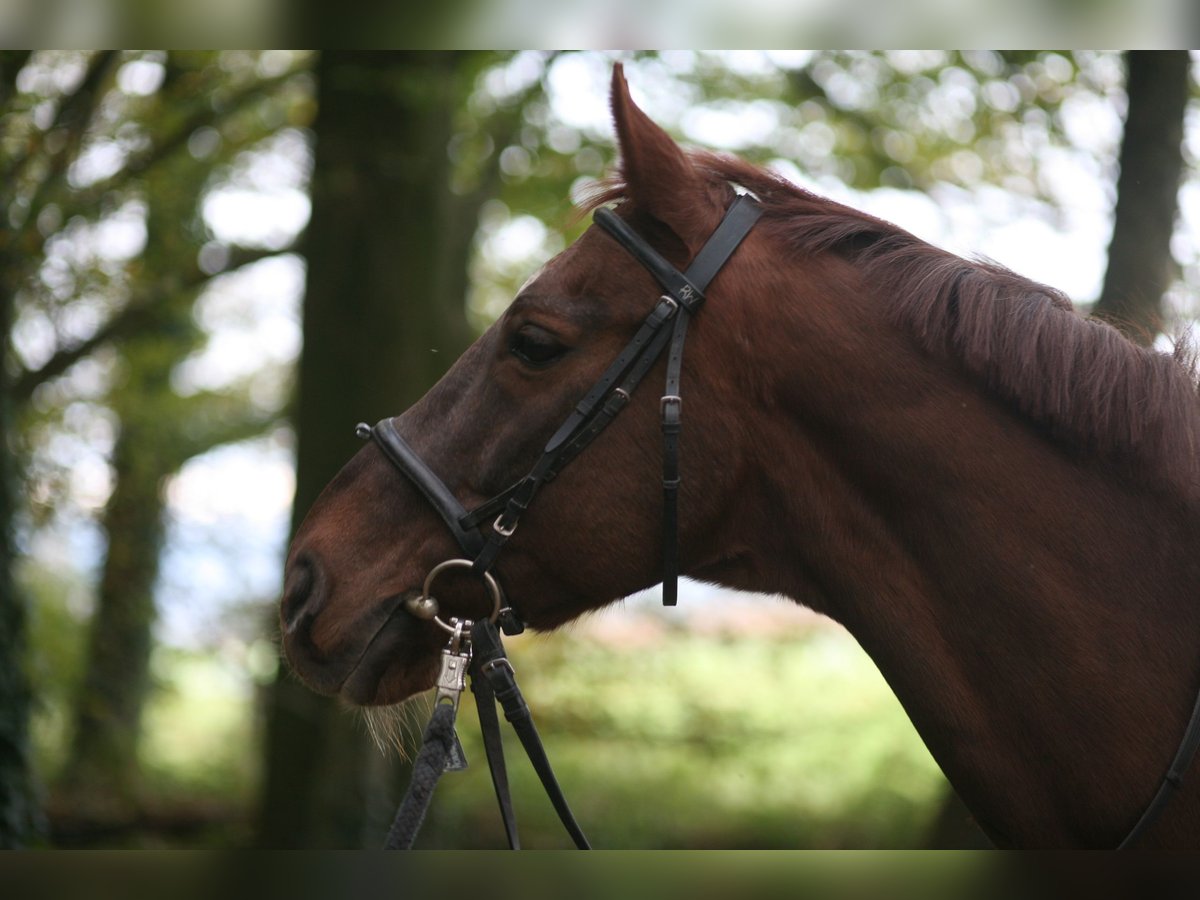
(535, 347)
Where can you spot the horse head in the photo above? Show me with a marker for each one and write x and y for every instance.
(594, 534)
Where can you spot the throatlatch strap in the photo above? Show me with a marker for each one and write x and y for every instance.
(736, 224)
(671, 407)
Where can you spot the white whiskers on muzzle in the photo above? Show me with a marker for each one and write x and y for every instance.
(397, 728)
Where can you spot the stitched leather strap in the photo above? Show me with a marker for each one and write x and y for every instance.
(491, 663)
(736, 224)
(493, 748)
(588, 418)
(601, 404)
(431, 487)
(1172, 782)
(686, 292)
(739, 219)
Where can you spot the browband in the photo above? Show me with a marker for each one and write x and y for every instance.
(673, 281)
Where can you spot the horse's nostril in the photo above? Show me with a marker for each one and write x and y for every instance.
(299, 594)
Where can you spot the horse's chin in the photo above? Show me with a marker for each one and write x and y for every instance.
(380, 659)
(386, 681)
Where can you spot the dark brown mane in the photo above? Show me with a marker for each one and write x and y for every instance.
(1082, 380)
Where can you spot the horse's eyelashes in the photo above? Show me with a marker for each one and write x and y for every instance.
(535, 347)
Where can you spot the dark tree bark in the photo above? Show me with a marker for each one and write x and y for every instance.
(18, 808)
(159, 432)
(1140, 267)
(387, 251)
(100, 780)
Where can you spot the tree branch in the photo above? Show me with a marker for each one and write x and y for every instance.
(11, 64)
(133, 316)
(74, 114)
(211, 419)
(137, 164)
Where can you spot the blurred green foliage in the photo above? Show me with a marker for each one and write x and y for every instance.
(681, 739)
(787, 739)
(56, 641)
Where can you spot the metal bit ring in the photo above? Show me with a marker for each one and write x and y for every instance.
(426, 598)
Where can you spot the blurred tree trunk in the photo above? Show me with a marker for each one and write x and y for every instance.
(1140, 266)
(387, 250)
(158, 432)
(100, 778)
(17, 800)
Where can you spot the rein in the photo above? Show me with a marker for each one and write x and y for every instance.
(475, 647)
(1172, 781)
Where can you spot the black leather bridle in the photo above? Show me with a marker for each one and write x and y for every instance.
(475, 647)
(666, 324)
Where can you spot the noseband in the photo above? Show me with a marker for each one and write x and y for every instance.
(666, 324)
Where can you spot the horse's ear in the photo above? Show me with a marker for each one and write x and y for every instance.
(658, 176)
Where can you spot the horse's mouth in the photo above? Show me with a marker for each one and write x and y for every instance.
(379, 681)
(388, 672)
(395, 656)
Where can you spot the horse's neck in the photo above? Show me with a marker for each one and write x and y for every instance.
(1034, 614)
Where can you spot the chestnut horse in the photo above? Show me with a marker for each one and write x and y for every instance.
(998, 498)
